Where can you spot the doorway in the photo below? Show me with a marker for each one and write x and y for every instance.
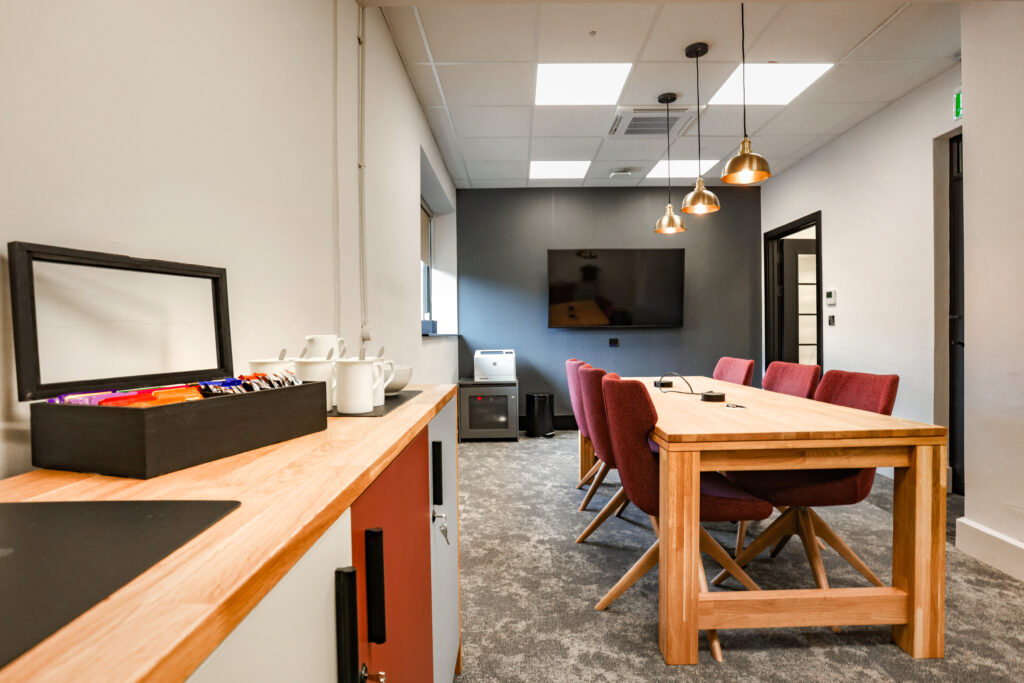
(956, 312)
(793, 296)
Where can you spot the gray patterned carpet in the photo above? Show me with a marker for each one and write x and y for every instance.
(528, 590)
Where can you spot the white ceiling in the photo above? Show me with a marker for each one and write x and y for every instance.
(474, 70)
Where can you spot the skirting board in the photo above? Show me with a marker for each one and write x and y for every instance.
(991, 547)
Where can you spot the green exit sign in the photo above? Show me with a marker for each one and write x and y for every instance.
(958, 105)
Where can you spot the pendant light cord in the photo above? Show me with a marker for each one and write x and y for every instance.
(668, 155)
(743, 55)
(698, 119)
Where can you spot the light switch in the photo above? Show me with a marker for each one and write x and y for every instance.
(831, 321)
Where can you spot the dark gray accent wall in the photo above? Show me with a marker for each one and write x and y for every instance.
(503, 238)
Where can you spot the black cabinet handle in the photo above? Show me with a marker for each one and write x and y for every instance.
(437, 462)
(346, 624)
(375, 622)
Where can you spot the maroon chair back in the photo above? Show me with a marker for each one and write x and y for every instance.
(791, 378)
(572, 367)
(735, 370)
(593, 407)
(631, 417)
(862, 390)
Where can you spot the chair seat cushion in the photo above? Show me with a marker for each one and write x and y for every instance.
(807, 488)
(723, 501)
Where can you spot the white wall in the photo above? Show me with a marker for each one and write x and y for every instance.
(214, 133)
(873, 186)
(993, 526)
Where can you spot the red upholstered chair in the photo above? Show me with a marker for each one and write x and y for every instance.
(572, 367)
(592, 400)
(631, 417)
(801, 490)
(791, 378)
(735, 370)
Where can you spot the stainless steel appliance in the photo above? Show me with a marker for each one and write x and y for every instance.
(488, 410)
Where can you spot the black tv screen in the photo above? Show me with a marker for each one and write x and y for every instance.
(615, 287)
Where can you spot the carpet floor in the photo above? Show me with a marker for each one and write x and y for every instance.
(528, 590)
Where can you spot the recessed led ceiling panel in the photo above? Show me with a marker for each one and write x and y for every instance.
(681, 168)
(768, 83)
(594, 84)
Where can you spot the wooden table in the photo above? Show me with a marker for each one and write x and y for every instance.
(776, 432)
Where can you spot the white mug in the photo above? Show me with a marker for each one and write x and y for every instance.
(271, 365)
(317, 345)
(355, 381)
(317, 370)
(387, 374)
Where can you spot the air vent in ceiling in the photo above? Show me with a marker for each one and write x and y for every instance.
(632, 121)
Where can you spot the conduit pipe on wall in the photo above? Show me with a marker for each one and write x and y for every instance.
(364, 315)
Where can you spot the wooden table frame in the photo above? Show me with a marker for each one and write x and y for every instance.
(914, 604)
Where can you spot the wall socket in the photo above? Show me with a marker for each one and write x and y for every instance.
(831, 321)
(613, 342)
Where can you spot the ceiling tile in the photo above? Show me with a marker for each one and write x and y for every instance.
(439, 122)
(492, 122)
(461, 183)
(593, 32)
(922, 31)
(406, 32)
(600, 170)
(775, 146)
(616, 149)
(497, 170)
(648, 80)
(481, 32)
(880, 81)
(496, 149)
(799, 119)
(456, 168)
(482, 184)
(727, 119)
(718, 25)
(563, 149)
(488, 84)
(608, 182)
(712, 147)
(572, 121)
(423, 81)
(816, 144)
(817, 32)
(565, 182)
(780, 165)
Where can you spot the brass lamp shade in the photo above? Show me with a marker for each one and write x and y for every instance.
(701, 200)
(746, 167)
(670, 223)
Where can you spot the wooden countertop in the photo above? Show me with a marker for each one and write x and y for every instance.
(165, 622)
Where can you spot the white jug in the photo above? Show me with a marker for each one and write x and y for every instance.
(355, 382)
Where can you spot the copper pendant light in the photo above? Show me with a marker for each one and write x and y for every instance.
(746, 167)
(701, 200)
(670, 223)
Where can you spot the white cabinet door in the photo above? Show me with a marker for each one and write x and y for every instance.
(444, 555)
(290, 634)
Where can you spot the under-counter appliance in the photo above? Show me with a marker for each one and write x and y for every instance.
(57, 560)
(494, 365)
(488, 410)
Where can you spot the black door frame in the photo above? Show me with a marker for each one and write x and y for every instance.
(956, 315)
(772, 273)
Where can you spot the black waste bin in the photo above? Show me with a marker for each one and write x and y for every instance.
(540, 414)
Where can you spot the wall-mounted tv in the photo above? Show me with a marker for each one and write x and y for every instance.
(615, 287)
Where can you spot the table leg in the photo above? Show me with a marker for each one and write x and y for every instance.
(679, 574)
(919, 550)
(587, 457)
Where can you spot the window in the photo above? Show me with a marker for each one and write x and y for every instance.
(426, 261)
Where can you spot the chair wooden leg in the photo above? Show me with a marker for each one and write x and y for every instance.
(783, 524)
(589, 475)
(622, 508)
(741, 536)
(642, 566)
(598, 478)
(710, 546)
(654, 525)
(604, 514)
(805, 527)
(822, 529)
(780, 545)
(713, 642)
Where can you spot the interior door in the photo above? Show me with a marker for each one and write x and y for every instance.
(956, 312)
(444, 542)
(397, 504)
(799, 301)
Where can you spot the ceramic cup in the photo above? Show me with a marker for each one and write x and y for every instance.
(317, 370)
(355, 381)
(317, 345)
(387, 368)
(271, 365)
